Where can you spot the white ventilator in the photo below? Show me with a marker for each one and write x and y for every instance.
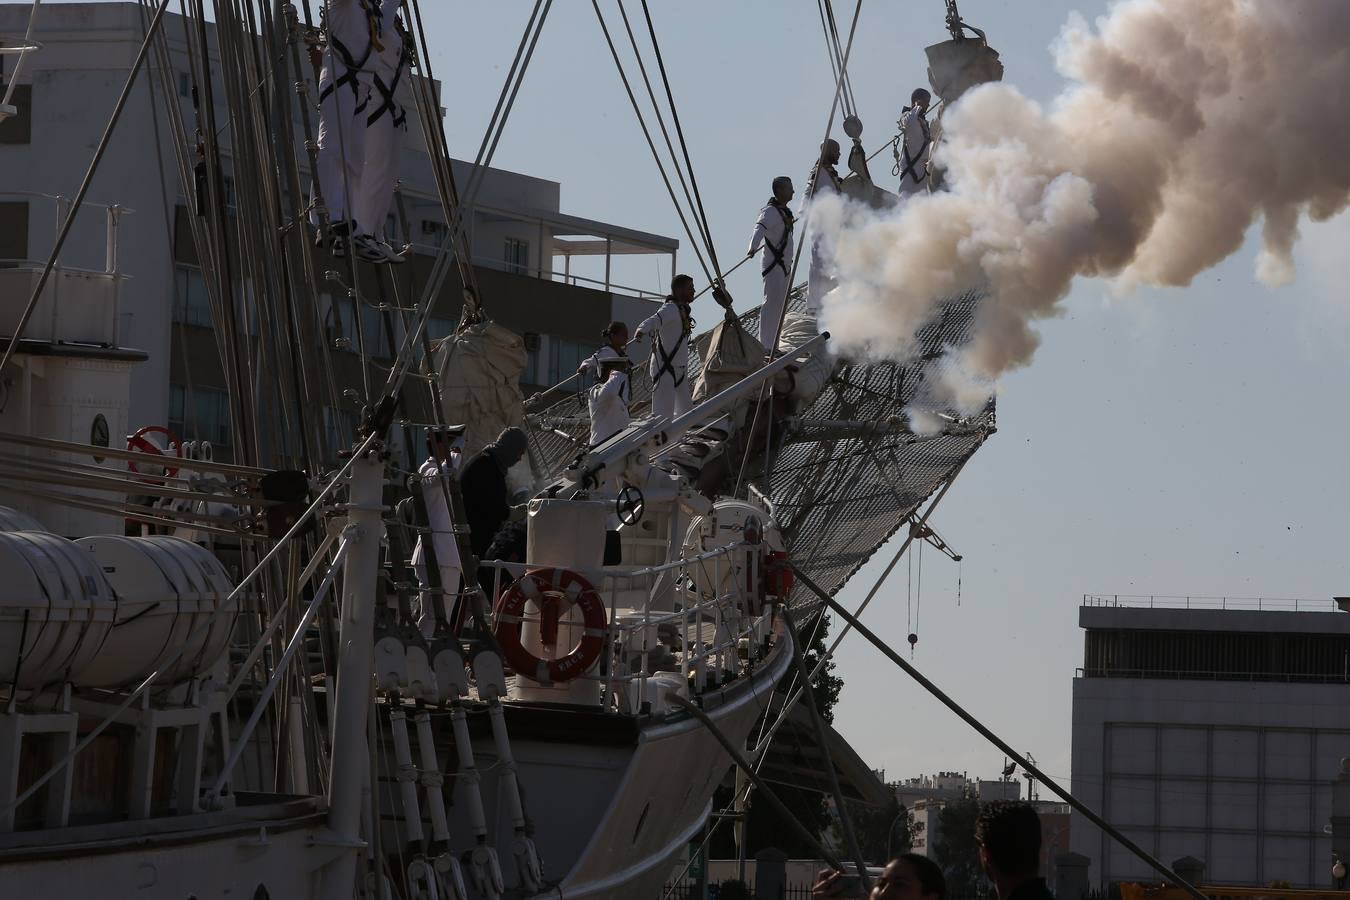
(672, 394)
(385, 120)
(773, 233)
(351, 29)
(433, 475)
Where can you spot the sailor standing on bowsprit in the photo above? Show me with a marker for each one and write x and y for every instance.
(385, 121)
(773, 231)
(915, 143)
(352, 31)
(671, 327)
(824, 180)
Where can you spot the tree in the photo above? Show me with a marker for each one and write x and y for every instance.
(884, 832)
(955, 849)
(764, 827)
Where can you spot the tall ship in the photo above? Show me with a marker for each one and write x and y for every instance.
(296, 669)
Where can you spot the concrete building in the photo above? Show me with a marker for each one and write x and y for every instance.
(545, 274)
(1213, 733)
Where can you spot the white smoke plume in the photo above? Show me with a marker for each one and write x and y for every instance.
(1185, 122)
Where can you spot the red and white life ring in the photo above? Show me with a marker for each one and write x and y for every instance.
(551, 590)
(140, 441)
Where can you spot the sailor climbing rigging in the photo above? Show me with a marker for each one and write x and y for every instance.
(385, 121)
(609, 397)
(773, 232)
(915, 144)
(671, 325)
(353, 32)
(824, 180)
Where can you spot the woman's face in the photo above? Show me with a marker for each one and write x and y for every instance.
(899, 881)
(618, 337)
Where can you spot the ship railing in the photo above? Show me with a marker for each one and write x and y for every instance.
(1194, 601)
(78, 304)
(635, 597)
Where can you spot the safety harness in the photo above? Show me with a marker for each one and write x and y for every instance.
(779, 253)
(349, 60)
(667, 360)
(918, 174)
(387, 102)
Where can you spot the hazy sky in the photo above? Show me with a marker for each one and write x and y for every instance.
(1170, 441)
(1176, 442)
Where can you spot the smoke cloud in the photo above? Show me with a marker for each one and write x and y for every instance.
(1185, 122)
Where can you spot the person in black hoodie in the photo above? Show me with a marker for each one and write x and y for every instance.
(487, 501)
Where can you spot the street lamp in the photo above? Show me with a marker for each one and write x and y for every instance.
(1338, 872)
(890, 832)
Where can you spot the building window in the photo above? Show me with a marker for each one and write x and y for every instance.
(517, 256)
(438, 328)
(191, 303)
(184, 85)
(200, 415)
(18, 128)
(13, 233)
(339, 427)
(373, 330)
(564, 357)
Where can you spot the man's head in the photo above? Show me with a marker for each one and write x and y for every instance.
(1009, 837)
(682, 289)
(509, 447)
(441, 442)
(782, 189)
(829, 152)
(616, 334)
(921, 98)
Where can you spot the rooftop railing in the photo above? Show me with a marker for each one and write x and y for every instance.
(1193, 601)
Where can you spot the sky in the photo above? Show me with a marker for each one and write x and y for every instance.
(1178, 442)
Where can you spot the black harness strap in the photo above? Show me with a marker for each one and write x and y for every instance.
(668, 361)
(387, 102)
(351, 64)
(779, 253)
(910, 164)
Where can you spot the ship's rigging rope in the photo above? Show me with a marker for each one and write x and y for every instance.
(679, 131)
(695, 242)
(838, 61)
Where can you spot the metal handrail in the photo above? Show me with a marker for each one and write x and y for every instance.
(693, 657)
(1194, 601)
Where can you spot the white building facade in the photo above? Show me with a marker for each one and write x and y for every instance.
(1213, 733)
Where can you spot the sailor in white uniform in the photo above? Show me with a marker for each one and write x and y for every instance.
(824, 180)
(385, 121)
(915, 144)
(445, 446)
(671, 327)
(352, 32)
(609, 397)
(616, 341)
(773, 232)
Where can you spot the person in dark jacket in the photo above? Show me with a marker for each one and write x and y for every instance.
(1009, 838)
(487, 501)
